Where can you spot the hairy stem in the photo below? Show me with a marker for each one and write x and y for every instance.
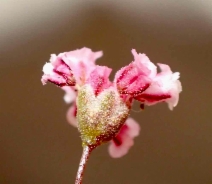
(85, 155)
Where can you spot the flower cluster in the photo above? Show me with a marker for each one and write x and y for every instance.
(100, 108)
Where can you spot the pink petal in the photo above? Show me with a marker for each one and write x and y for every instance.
(85, 54)
(71, 115)
(81, 62)
(57, 72)
(133, 127)
(137, 76)
(99, 79)
(165, 87)
(69, 68)
(51, 76)
(121, 144)
(119, 151)
(145, 65)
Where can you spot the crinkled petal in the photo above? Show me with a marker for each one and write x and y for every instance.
(85, 54)
(57, 72)
(164, 88)
(51, 76)
(136, 77)
(69, 68)
(145, 66)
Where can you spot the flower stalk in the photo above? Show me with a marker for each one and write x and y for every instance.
(85, 155)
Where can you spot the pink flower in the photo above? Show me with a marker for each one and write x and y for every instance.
(69, 68)
(164, 87)
(102, 107)
(99, 79)
(136, 77)
(121, 144)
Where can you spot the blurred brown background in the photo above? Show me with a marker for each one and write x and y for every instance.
(37, 145)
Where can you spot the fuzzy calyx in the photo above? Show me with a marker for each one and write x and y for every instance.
(100, 117)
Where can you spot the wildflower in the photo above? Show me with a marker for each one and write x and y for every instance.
(100, 108)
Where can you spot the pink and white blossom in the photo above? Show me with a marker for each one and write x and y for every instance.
(75, 70)
(100, 109)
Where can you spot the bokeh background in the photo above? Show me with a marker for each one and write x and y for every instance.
(37, 145)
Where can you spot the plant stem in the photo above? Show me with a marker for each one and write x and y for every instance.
(85, 155)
